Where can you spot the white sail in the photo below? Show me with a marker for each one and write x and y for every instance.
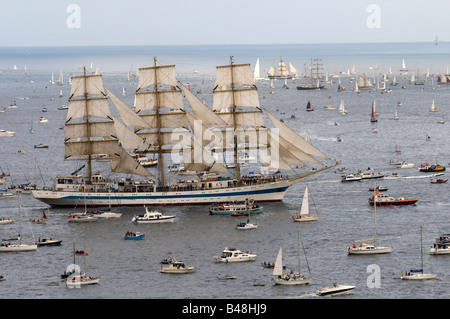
(128, 116)
(278, 269)
(305, 203)
(125, 163)
(237, 74)
(202, 111)
(161, 75)
(295, 139)
(224, 99)
(256, 72)
(92, 85)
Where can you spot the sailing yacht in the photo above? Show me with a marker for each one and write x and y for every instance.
(342, 110)
(304, 215)
(7, 246)
(160, 125)
(433, 107)
(418, 274)
(372, 115)
(291, 278)
(81, 279)
(362, 247)
(403, 70)
(256, 73)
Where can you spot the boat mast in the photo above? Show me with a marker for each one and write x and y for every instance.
(158, 121)
(238, 171)
(421, 249)
(298, 250)
(88, 126)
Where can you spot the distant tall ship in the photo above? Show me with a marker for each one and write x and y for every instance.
(283, 72)
(160, 125)
(314, 79)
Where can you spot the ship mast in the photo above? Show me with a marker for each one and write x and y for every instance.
(158, 121)
(88, 126)
(236, 156)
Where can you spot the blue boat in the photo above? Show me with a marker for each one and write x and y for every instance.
(131, 235)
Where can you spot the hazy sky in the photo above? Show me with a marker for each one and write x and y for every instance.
(150, 22)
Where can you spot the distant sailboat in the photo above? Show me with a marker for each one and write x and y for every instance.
(372, 115)
(403, 70)
(433, 107)
(256, 73)
(396, 116)
(342, 108)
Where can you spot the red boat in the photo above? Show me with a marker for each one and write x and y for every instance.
(386, 200)
(439, 181)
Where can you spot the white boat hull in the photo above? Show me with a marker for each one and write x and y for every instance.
(418, 276)
(270, 192)
(155, 221)
(440, 251)
(246, 257)
(335, 290)
(368, 251)
(292, 282)
(305, 218)
(174, 270)
(17, 248)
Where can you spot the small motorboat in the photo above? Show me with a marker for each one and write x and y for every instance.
(350, 178)
(226, 277)
(48, 242)
(431, 168)
(334, 290)
(439, 181)
(175, 266)
(378, 188)
(4, 221)
(41, 146)
(130, 235)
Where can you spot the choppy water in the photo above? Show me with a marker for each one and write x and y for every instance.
(130, 269)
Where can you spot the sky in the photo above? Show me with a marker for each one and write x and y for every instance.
(191, 22)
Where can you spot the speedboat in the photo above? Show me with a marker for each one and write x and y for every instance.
(175, 266)
(386, 200)
(48, 242)
(41, 146)
(234, 255)
(439, 181)
(4, 133)
(152, 216)
(335, 289)
(368, 175)
(131, 235)
(42, 120)
(406, 165)
(226, 277)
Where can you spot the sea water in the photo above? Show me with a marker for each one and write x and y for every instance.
(130, 269)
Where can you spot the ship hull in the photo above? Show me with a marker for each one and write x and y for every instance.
(270, 192)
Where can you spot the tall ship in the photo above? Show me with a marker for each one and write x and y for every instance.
(161, 126)
(283, 72)
(314, 82)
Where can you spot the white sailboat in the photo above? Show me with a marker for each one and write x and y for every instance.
(433, 107)
(79, 279)
(342, 108)
(291, 278)
(6, 246)
(304, 215)
(362, 247)
(256, 73)
(403, 70)
(418, 274)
